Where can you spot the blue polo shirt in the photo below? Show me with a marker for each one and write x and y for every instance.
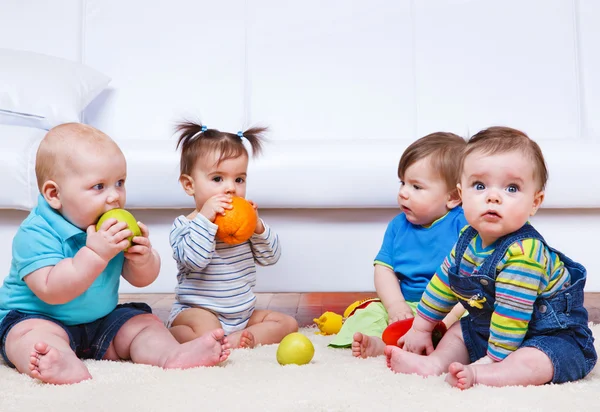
(45, 238)
(415, 252)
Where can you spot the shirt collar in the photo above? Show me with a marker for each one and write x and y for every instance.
(62, 226)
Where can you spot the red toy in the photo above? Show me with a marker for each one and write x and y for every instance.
(396, 330)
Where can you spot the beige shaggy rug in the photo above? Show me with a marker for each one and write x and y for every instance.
(252, 380)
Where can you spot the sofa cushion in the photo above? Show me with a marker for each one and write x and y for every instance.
(290, 174)
(338, 174)
(18, 146)
(43, 91)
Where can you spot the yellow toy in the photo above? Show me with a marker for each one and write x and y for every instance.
(330, 323)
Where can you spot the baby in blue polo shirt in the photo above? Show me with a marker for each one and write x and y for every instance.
(59, 305)
(415, 242)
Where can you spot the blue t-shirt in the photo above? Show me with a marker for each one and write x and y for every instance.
(415, 252)
(44, 239)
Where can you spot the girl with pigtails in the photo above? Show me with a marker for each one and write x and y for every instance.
(216, 279)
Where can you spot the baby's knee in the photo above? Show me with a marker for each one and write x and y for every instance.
(146, 320)
(111, 353)
(290, 324)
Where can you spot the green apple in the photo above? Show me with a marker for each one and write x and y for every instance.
(122, 215)
(295, 348)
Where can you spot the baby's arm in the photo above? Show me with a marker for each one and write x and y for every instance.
(142, 262)
(418, 338)
(437, 300)
(388, 290)
(70, 277)
(193, 241)
(518, 284)
(265, 246)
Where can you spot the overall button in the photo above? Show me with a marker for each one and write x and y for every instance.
(484, 282)
(542, 308)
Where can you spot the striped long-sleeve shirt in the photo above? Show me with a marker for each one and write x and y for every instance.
(215, 275)
(527, 271)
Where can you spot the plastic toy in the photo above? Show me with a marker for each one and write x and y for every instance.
(397, 329)
(238, 224)
(329, 323)
(295, 348)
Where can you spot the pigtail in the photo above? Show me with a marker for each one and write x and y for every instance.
(256, 137)
(187, 132)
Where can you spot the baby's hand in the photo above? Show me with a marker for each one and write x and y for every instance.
(399, 311)
(416, 341)
(140, 252)
(217, 204)
(260, 228)
(109, 240)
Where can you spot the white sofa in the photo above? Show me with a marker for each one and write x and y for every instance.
(344, 87)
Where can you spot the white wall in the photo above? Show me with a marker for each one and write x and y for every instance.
(348, 69)
(343, 79)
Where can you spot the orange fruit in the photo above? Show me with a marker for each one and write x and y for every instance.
(238, 224)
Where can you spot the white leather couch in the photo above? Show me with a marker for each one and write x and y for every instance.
(344, 88)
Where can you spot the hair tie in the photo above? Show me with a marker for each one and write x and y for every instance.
(202, 130)
(240, 134)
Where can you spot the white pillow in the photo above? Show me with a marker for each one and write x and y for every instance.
(37, 90)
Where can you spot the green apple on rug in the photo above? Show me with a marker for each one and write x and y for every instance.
(252, 380)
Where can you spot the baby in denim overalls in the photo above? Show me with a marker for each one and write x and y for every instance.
(526, 323)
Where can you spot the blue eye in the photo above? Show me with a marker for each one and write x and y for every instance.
(121, 183)
(512, 189)
(478, 186)
(99, 186)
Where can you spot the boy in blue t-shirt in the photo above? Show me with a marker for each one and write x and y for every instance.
(417, 240)
(58, 304)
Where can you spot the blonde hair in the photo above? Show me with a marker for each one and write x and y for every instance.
(500, 139)
(445, 150)
(61, 144)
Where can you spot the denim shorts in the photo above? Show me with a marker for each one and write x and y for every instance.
(557, 328)
(88, 340)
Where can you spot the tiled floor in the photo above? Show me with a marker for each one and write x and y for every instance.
(307, 306)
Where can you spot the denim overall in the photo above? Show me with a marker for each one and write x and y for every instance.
(558, 326)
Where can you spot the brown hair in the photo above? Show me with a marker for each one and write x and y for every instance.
(500, 139)
(445, 150)
(196, 140)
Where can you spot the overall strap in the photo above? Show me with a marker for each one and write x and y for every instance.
(525, 232)
(461, 245)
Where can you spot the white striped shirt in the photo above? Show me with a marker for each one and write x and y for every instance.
(214, 275)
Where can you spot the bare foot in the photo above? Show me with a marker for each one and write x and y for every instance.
(401, 361)
(50, 365)
(247, 340)
(209, 349)
(461, 376)
(364, 346)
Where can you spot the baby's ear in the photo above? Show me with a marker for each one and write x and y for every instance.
(187, 183)
(50, 191)
(538, 199)
(453, 198)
